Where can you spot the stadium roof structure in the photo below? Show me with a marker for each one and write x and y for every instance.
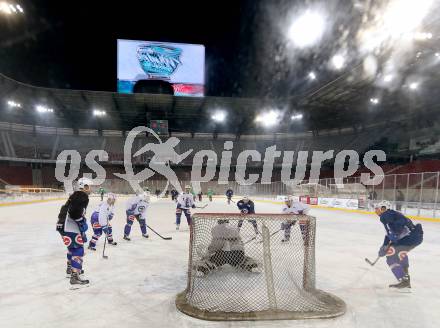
(335, 106)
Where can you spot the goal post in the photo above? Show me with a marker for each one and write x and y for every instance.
(236, 274)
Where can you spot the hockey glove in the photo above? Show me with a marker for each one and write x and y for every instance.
(82, 225)
(383, 251)
(110, 217)
(60, 228)
(84, 237)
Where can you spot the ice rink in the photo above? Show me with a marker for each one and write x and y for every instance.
(137, 285)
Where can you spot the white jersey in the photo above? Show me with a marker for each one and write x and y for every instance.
(295, 208)
(104, 212)
(225, 238)
(186, 201)
(137, 206)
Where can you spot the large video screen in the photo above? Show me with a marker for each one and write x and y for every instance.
(182, 65)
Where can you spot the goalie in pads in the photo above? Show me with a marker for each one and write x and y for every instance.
(226, 248)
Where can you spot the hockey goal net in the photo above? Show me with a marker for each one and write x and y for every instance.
(255, 272)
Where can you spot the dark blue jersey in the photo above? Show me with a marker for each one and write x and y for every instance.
(397, 226)
(247, 208)
(229, 193)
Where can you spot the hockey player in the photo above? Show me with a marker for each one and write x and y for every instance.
(102, 192)
(226, 248)
(185, 202)
(100, 221)
(229, 193)
(73, 230)
(210, 193)
(174, 195)
(136, 210)
(292, 206)
(246, 206)
(401, 237)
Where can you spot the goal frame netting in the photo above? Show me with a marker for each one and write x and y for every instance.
(329, 305)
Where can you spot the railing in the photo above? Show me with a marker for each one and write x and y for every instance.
(413, 194)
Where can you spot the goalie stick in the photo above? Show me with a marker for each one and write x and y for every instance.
(164, 238)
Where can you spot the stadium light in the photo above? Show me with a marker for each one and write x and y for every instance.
(99, 113)
(269, 118)
(422, 36)
(414, 86)
(10, 8)
(437, 54)
(403, 17)
(338, 61)
(388, 78)
(307, 29)
(13, 104)
(296, 117)
(374, 101)
(312, 76)
(43, 109)
(219, 116)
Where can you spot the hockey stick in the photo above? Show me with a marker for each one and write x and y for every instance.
(105, 243)
(103, 250)
(202, 207)
(377, 258)
(165, 238)
(372, 263)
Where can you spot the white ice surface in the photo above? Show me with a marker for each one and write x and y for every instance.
(137, 285)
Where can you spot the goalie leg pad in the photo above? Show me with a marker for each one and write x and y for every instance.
(248, 264)
(206, 266)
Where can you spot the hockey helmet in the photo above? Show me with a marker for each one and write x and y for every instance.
(83, 182)
(111, 198)
(382, 204)
(145, 197)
